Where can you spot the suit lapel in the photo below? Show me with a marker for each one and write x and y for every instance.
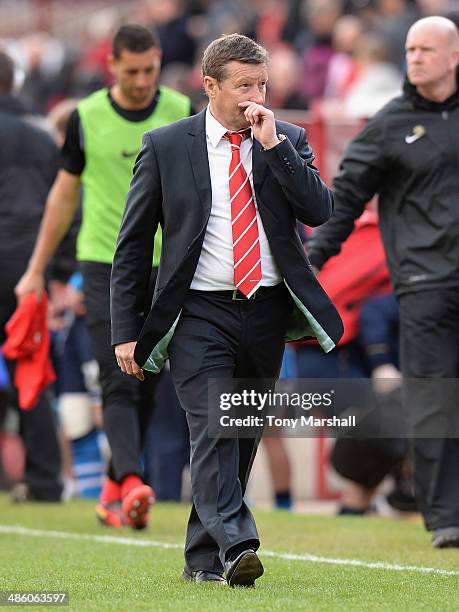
(259, 166)
(197, 151)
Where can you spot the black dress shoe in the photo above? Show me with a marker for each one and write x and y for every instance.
(243, 569)
(446, 537)
(202, 576)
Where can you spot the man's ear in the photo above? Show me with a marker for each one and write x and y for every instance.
(210, 86)
(159, 55)
(111, 64)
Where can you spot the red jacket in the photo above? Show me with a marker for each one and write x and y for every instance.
(28, 344)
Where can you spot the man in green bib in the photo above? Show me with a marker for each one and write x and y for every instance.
(103, 138)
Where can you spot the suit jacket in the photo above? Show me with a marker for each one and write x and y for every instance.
(171, 186)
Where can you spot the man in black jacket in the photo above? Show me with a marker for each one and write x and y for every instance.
(28, 166)
(408, 153)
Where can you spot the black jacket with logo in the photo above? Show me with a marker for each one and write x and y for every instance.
(408, 153)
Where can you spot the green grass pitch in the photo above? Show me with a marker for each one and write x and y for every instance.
(328, 568)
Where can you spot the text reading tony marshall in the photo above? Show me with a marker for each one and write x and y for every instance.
(299, 408)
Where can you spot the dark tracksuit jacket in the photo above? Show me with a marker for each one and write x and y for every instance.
(409, 154)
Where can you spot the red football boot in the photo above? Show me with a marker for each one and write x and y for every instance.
(109, 514)
(136, 505)
(108, 509)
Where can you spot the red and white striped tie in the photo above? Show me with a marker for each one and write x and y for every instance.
(246, 242)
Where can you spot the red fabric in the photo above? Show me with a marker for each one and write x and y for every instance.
(28, 344)
(357, 273)
(246, 243)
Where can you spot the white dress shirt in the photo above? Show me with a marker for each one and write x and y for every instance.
(215, 270)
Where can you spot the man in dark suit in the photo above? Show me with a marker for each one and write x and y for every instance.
(233, 283)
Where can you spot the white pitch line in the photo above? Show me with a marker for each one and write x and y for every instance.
(358, 563)
(66, 535)
(25, 531)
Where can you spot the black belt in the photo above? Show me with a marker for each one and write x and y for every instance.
(237, 295)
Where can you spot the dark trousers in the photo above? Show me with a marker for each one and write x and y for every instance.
(127, 402)
(167, 448)
(367, 461)
(37, 427)
(364, 461)
(429, 325)
(220, 338)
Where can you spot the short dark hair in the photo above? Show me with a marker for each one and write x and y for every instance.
(135, 38)
(6, 73)
(231, 48)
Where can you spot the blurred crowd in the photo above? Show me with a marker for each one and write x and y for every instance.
(338, 57)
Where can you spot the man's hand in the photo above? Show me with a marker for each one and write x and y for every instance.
(386, 379)
(263, 123)
(125, 358)
(57, 305)
(58, 296)
(30, 282)
(63, 300)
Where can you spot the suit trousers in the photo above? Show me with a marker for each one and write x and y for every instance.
(220, 338)
(429, 325)
(127, 403)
